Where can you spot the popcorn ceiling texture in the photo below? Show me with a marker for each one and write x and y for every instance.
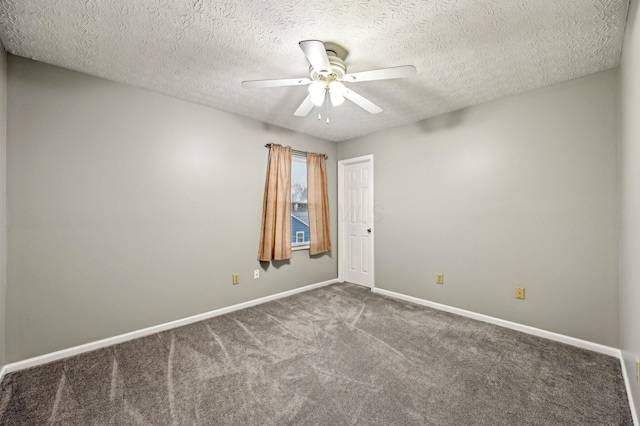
(466, 51)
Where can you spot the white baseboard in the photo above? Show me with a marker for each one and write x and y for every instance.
(3, 371)
(584, 344)
(627, 384)
(54, 356)
(607, 350)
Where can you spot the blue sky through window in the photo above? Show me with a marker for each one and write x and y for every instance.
(299, 179)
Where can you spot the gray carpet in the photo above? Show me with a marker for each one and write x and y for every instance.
(337, 355)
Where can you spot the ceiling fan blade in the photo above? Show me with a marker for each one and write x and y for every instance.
(260, 84)
(381, 74)
(316, 54)
(362, 102)
(305, 107)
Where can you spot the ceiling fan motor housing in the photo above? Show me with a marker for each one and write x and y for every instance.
(338, 69)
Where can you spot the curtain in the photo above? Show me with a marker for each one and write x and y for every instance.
(275, 236)
(318, 203)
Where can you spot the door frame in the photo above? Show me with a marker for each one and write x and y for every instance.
(342, 239)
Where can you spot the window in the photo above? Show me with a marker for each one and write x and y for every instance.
(285, 169)
(299, 210)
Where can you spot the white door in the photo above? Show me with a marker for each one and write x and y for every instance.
(356, 245)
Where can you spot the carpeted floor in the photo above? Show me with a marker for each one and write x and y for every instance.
(337, 355)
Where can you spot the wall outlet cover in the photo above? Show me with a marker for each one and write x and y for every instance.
(256, 274)
(236, 279)
(439, 278)
(519, 292)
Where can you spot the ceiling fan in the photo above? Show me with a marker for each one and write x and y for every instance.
(327, 74)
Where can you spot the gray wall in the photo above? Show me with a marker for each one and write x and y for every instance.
(630, 194)
(517, 192)
(128, 209)
(3, 193)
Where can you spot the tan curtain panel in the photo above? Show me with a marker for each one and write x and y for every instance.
(318, 202)
(275, 236)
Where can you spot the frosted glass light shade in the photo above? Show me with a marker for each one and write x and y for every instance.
(336, 93)
(317, 91)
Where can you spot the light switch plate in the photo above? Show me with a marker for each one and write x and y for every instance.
(236, 279)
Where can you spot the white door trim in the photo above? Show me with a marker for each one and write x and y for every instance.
(342, 248)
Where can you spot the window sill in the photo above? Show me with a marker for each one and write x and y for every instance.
(301, 247)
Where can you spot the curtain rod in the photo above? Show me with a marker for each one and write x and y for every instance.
(295, 151)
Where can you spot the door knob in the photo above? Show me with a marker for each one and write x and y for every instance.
(369, 230)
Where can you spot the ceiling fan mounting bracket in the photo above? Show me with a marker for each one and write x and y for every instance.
(337, 50)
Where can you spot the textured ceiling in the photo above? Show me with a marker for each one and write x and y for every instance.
(466, 51)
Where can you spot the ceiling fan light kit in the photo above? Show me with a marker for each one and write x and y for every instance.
(319, 89)
(327, 71)
(336, 93)
(316, 91)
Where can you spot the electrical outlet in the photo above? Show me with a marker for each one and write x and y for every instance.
(519, 292)
(638, 370)
(256, 274)
(236, 279)
(439, 278)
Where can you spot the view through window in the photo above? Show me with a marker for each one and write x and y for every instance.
(299, 210)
